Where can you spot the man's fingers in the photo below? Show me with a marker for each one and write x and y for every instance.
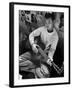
(49, 62)
(35, 50)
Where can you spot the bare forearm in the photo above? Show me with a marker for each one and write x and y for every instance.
(33, 35)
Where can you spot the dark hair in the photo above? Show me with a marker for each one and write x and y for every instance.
(22, 13)
(62, 16)
(27, 12)
(50, 15)
(61, 20)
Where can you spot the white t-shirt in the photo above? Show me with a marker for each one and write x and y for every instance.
(46, 37)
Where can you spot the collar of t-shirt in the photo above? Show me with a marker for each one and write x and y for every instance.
(49, 31)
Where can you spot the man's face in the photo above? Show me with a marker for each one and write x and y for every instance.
(49, 24)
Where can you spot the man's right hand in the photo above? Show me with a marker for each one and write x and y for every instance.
(34, 48)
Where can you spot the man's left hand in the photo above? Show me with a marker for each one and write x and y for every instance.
(49, 61)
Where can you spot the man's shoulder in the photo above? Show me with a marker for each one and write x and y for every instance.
(42, 27)
(55, 34)
(39, 29)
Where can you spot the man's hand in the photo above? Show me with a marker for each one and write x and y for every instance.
(34, 48)
(44, 69)
(49, 61)
(42, 72)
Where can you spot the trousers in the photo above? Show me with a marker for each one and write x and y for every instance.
(27, 64)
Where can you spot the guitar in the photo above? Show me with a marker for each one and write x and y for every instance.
(44, 55)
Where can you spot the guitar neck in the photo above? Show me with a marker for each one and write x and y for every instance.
(43, 54)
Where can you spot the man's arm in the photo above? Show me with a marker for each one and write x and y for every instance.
(34, 34)
(31, 39)
(53, 47)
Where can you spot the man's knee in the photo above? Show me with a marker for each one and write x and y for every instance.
(42, 72)
(25, 56)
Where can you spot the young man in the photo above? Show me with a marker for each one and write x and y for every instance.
(49, 38)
